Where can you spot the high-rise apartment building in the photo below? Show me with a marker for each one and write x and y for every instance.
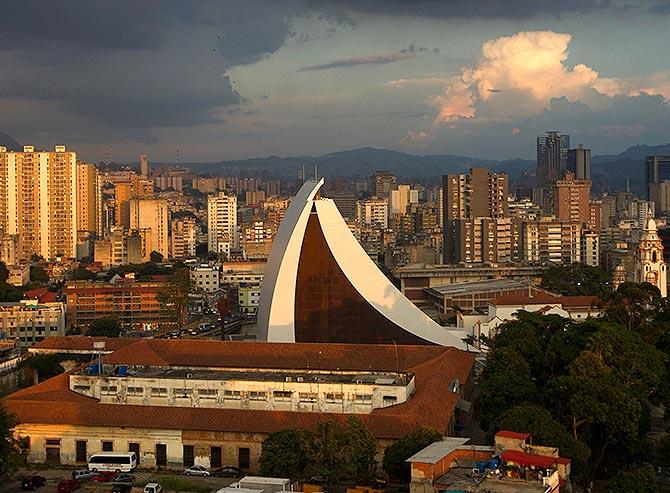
(579, 162)
(401, 198)
(373, 212)
(182, 241)
(38, 201)
(478, 194)
(89, 200)
(656, 170)
(144, 166)
(568, 199)
(552, 157)
(152, 214)
(550, 239)
(222, 223)
(381, 184)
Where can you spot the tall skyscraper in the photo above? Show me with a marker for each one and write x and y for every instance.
(89, 200)
(552, 157)
(579, 162)
(222, 223)
(38, 201)
(381, 184)
(151, 214)
(477, 194)
(144, 166)
(656, 170)
(401, 198)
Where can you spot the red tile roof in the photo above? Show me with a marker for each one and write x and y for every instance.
(541, 298)
(524, 459)
(51, 402)
(80, 343)
(513, 434)
(43, 295)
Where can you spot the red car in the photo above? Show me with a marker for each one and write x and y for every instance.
(104, 477)
(68, 485)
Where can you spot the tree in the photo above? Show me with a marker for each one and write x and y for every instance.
(633, 305)
(175, 293)
(395, 456)
(10, 293)
(283, 454)
(38, 274)
(336, 451)
(10, 456)
(642, 480)
(45, 365)
(576, 279)
(546, 430)
(104, 327)
(82, 274)
(4, 272)
(156, 257)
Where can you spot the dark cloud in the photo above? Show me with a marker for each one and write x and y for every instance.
(506, 9)
(379, 59)
(660, 8)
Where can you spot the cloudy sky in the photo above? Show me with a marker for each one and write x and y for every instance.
(232, 79)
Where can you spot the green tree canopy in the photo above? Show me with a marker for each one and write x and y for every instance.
(283, 454)
(10, 457)
(642, 480)
(576, 279)
(38, 274)
(82, 274)
(45, 365)
(395, 456)
(4, 272)
(156, 257)
(10, 293)
(104, 327)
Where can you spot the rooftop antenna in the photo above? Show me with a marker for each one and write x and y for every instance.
(99, 347)
(108, 155)
(628, 184)
(316, 173)
(178, 156)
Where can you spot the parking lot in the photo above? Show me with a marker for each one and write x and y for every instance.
(141, 478)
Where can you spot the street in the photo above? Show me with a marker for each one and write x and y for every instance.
(141, 478)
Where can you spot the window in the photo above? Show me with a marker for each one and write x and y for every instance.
(363, 399)
(107, 446)
(282, 395)
(307, 396)
(158, 392)
(108, 390)
(334, 397)
(207, 393)
(183, 393)
(390, 399)
(135, 391)
(232, 394)
(135, 447)
(256, 396)
(215, 457)
(82, 388)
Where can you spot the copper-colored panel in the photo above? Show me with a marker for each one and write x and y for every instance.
(328, 308)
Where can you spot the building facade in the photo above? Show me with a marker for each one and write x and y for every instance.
(28, 322)
(648, 263)
(152, 214)
(222, 223)
(38, 201)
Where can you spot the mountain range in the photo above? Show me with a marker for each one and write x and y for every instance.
(614, 169)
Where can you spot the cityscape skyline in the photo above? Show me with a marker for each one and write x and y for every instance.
(228, 80)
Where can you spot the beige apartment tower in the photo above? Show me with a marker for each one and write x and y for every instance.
(89, 200)
(151, 214)
(38, 201)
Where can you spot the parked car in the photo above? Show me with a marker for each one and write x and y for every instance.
(196, 471)
(153, 488)
(33, 482)
(83, 474)
(104, 477)
(68, 485)
(123, 477)
(122, 488)
(228, 472)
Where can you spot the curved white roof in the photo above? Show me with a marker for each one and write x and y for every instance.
(276, 313)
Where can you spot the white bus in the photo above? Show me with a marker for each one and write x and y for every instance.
(113, 461)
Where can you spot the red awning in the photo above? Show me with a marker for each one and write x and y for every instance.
(524, 459)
